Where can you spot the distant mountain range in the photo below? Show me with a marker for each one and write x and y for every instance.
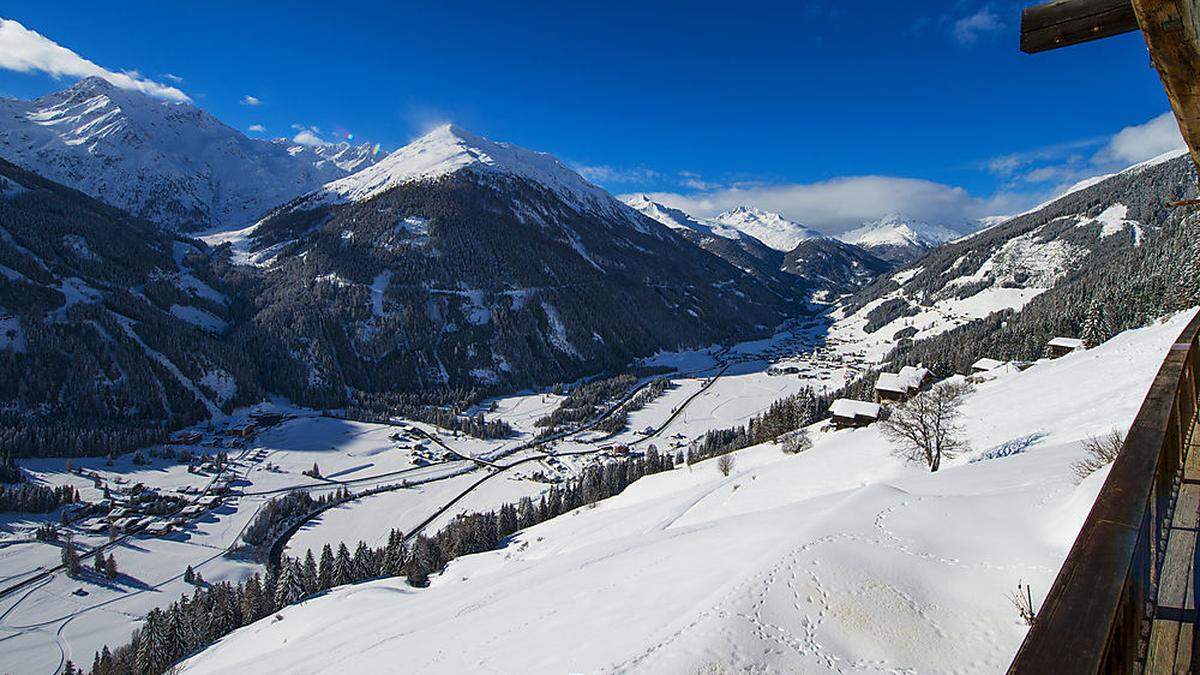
(171, 163)
(823, 266)
(455, 264)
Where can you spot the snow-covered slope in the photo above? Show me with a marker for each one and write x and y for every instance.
(899, 238)
(170, 163)
(768, 227)
(841, 558)
(449, 150)
(678, 220)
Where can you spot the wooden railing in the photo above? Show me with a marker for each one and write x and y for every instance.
(1096, 617)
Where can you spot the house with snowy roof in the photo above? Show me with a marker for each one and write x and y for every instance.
(897, 387)
(850, 413)
(1061, 346)
(984, 365)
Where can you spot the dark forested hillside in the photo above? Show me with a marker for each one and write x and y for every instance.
(109, 335)
(1110, 256)
(834, 266)
(487, 281)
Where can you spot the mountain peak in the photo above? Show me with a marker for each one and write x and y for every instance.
(92, 83)
(900, 230)
(769, 227)
(449, 149)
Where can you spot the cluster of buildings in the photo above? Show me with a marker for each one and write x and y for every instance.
(899, 387)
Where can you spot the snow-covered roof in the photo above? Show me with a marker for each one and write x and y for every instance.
(845, 407)
(1067, 343)
(891, 382)
(987, 364)
(909, 378)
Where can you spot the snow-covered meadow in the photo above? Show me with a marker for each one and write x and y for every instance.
(841, 558)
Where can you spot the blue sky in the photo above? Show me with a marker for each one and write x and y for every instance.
(828, 111)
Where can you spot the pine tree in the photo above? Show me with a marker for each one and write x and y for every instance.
(362, 567)
(309, 578)
(423, 561)
(70, 558)
(290, 587)
(325, 569)
(189, 575)
(252, 601)
(343, 567)
(1096, 330)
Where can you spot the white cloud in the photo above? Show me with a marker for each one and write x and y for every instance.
(26, 51)
(250, 100)
(1064, 164)
(841, 203)
(1141, 142)
(173, 77)
(256, 128)
(308, 135)
(968, 29)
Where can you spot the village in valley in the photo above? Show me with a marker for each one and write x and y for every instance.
(148, 526)
(735, 383)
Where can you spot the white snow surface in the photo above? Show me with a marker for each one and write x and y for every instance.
(841, 558)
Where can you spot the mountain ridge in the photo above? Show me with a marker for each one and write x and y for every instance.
(171, 163)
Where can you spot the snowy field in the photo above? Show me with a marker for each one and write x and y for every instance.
(841, 559)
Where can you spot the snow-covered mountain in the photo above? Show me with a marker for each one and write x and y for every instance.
(171, 163)
(110, 328)
(899, 238)
(460, 261)
(450, 150)
(346, 157)
(676, 219)
(826, 267)
(1081, 250)
(768, 227)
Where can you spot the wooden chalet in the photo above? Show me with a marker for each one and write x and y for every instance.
(984, 365)
(848, 413)
(898, 387)
(1061, 346)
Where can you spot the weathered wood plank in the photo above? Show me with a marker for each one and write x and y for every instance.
(1172, 32)
(1164, 640)
(1063, 23)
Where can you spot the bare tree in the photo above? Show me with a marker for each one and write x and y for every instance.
(924, 428)
(725, 464)
(1100, 453)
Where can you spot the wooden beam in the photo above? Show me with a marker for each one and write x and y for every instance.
(1172, 31)
(1063, 23)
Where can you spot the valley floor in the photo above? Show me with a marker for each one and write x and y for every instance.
(841, 558)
